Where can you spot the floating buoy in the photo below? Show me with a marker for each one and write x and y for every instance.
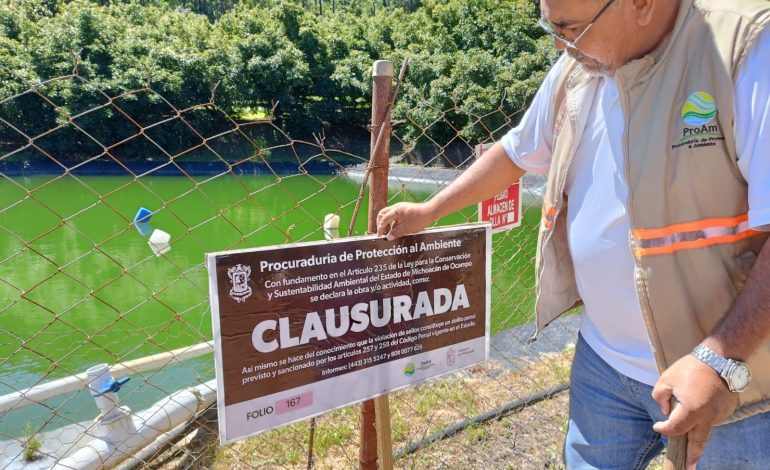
(142, 221)
(159, 242)
(331, 226)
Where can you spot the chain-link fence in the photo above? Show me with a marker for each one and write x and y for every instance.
(108, 203)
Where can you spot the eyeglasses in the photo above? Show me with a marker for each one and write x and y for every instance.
(550, 28)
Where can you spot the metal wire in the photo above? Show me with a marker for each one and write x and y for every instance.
(79, 285)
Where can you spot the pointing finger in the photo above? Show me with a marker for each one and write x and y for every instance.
(384, 221)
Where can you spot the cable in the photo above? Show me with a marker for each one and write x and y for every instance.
(492, 414)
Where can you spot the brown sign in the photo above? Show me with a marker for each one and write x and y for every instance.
(293, 315)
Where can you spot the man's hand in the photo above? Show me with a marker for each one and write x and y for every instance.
(402, 219)
(703, 401)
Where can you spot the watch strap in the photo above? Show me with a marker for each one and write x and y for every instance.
(712, 359)
(725, 367)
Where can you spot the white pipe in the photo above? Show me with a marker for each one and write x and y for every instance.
(39, 393)
(99, 377)
(139, 460)
(149, 425)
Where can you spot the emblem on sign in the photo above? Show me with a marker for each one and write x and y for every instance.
(239, 278)
(450, 357)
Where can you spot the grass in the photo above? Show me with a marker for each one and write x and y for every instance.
(32, 444)
(415, 413)
(252, 114)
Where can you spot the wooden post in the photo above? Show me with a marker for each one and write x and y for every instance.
(676, 453)
(384, 443)
(377, 431)
(382, 92)
(367, 453)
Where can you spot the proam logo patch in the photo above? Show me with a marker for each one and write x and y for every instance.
(698, 112)
(699, 109)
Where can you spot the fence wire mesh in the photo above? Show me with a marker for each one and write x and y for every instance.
(80, 284)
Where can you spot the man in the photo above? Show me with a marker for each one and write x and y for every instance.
(654, 129)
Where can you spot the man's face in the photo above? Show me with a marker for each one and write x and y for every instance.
(598, 30)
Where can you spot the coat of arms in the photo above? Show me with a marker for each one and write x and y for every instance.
(239, 277)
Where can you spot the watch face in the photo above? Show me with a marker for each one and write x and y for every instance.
(740, 377)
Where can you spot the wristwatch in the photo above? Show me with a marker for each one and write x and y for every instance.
(735, 373)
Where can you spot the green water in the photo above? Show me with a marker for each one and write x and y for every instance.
(80, 286)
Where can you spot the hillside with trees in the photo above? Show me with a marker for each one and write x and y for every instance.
(309, 60)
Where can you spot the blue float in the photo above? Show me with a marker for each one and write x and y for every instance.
(142, 221)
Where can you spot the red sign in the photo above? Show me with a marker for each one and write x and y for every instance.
(504, 210)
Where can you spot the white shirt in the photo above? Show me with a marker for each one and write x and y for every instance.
(597, 217)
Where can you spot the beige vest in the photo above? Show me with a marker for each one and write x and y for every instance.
(687, 198)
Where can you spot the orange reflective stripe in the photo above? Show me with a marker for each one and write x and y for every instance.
(548, 217)
(704, 242)
(689, 235)
(647, 233)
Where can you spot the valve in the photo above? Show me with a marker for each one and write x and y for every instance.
(113, 386)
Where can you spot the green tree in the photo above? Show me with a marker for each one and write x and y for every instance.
(468, 59)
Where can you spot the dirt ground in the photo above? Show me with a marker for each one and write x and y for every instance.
(529, 437)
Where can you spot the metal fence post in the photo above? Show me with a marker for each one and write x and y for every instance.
(382, 89)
